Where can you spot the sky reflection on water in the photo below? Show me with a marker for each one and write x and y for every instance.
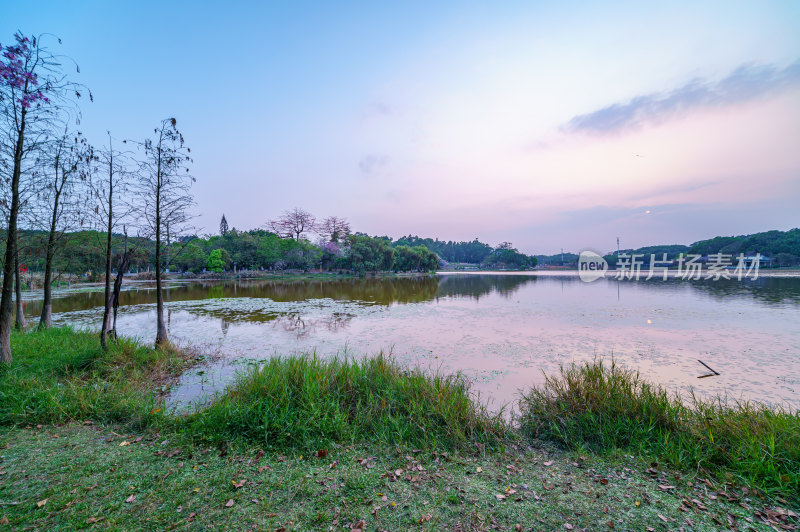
(501, 330)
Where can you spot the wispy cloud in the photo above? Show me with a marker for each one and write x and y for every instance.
(746, 83)
(372, 164)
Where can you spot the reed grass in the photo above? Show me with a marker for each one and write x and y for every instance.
(308, 402)
(606, 408)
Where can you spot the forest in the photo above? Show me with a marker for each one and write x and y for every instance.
(782, 247)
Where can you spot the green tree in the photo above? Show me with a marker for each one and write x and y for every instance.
(215, 261)
(192, 259)
(369, 254)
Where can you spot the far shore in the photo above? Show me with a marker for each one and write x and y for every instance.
(135, 279)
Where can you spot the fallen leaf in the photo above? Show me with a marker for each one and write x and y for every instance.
(229, 503)
(41, 503)
(4, 520)
(322, 453)
(568, 526)
(130, 499)
(239, 484)
(479, 470)
(398, 472)
(548, 464)
(500, 496)
(124, 443)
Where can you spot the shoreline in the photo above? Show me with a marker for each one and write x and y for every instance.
(307, 443)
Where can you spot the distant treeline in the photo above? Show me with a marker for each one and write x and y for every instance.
(504, 256)
(83, 253)
(782, 247)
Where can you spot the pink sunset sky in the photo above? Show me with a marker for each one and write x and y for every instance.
(550, 126)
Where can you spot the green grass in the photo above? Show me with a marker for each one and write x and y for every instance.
(327, 444)
(604, 408)
(305, 402)
(60, 375)
(86, 475)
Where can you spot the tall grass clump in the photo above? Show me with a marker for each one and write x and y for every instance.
(60, 375)
(604, 408)
(305, 402)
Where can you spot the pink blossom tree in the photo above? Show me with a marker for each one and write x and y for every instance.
(35, 96)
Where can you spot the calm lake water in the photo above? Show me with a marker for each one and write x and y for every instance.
(500, 330)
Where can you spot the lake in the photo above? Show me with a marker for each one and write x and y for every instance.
(501, 330)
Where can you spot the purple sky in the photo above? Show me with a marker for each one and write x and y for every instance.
(549, 126)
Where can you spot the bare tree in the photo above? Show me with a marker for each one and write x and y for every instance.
(19, 322)
(123, 266)
(33, 93)
(164, 190)
(63, 203)
(113, 181)
(333, 229)
(293, 224)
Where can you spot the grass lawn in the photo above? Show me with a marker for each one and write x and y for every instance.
(73, 476)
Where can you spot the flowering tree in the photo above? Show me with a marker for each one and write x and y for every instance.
(334, 229)
(34, 94)
(293, 224)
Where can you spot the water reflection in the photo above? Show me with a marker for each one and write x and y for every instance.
(387, 291)
(477, 286)
(501, 331)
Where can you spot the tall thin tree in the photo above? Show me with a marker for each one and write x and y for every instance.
(63, 199)
(110, 187)
(164, 190)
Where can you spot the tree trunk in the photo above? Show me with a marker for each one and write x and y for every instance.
(11, 244)
(124, 265)
(161, 329)
(45, 320)
(19, 323)
(107, 308)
